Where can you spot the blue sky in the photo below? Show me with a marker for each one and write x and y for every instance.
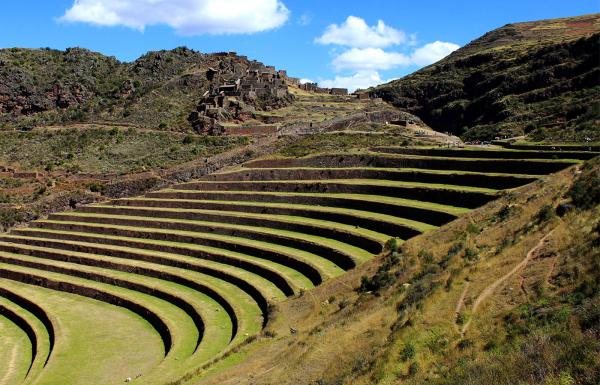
(296, 35)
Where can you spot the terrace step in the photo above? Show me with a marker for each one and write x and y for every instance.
(363, 239)
(287, 278)
(36, 324)
(17, 347)
(375, 213)
(487, 153)
(343, 255)
(462, 196)
(458, 178)
(104, 340)
(167, 320)
(262, 290)
(246, 315)
(203, 332)
(506, 166)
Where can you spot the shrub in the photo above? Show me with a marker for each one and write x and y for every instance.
(545, 214)
(392, 244)
(408, 353)
(383, 278)
(413, 368)
(473, 228)
(97, 187)
(343, 304)
(471, 255)
(455, 249)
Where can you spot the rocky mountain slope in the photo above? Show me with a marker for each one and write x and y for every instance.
(539, 78)
(40, 87)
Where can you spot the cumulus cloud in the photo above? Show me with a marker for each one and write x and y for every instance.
(361, 79)
(375, 59)
(360, 59)
(187, 17)
(432, 52)
(355, 32)
(367, 52)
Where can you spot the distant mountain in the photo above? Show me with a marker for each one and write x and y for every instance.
(539, 78)
(158, 90)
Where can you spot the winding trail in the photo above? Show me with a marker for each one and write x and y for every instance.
(487, 292)
(459, 305)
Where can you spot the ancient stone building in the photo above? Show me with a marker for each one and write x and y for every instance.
(339, 91)
(235, 94)
(314, 87)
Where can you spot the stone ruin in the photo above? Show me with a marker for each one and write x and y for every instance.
(10, 172)
(314, 87)
(234, 95)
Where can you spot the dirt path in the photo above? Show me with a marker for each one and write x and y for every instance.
(459, 305)
(488, 291)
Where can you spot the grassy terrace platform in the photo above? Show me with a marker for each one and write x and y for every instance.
(196, 266)
(447, 177)
(17, 347)
(289, 280)
(378, 160)
(369, 241)
(483, 153)
(139, 345)
(343, 255)
(368, 215)
(35, 339)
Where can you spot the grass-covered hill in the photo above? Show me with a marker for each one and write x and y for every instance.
(539, 78)
(40, 87)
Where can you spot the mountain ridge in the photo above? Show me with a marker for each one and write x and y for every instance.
(534, 78)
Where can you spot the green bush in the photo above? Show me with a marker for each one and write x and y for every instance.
(408, 353)
(545, 214)
(413, 368)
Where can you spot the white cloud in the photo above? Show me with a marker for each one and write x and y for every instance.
(375, 59)
(432, 52)
(304, 81)
(355, 32)
(358, 59)
(187, 17)
(361, 79)
(364, 55)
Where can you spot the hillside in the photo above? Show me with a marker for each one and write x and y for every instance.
(42, 87)
(538, 78)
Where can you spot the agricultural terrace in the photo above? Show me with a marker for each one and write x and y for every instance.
(153, 289)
